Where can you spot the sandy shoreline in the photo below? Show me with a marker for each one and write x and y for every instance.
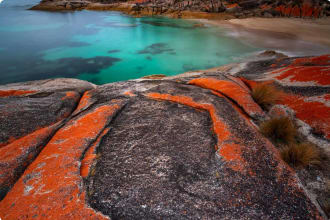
(288, 34)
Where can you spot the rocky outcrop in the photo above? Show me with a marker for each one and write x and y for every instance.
(182, 147)
(179, 8)
(305, 82)
(45, 108)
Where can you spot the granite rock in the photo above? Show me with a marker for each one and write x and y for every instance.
(182, 147)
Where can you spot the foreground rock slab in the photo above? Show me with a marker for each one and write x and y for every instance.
(183, 147)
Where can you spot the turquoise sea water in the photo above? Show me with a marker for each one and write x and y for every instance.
(104, 47)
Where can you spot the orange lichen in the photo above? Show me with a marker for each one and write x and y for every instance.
(314, 113)
(250, 83)
(316, 12)
(129, 93)
(280, 9)
(265, 7)
(307, 10)
(90, 156)
(295, 12)
(233, 91)
(239, 110)
(219, 127)
(233, 155)
(239, 82)
(70, 95)
(320, 60)
(232, 5)
(5, 93)
(318, 74)
(14, 155)
(287, 11)
(327, 97)
(50, 187)
(85, 101)
(10, 140)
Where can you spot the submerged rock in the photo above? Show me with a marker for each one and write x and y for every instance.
(182, 147)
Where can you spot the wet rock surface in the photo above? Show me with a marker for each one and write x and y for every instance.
(182, 147)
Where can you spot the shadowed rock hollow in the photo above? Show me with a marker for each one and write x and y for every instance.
(182, 147)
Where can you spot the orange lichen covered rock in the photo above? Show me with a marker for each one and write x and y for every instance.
(288, 10)
(4, 93)
(71, 95)
(312, 110)
(219, 127)
(233, 91)
(129, 93)
(232, 5)
(309, 71)
(90, 156)
(233, 152)
(305, 83)
(307, 10)
(22, 115)
(295, 12)
(323, 60)
(318, 75)
(84, 103)
(15, 157)
(228, 149)
(50, 187)
(153, 149)
(233, 155)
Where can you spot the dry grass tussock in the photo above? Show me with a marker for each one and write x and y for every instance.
(301, 155)
(280, 130)
(265, 95)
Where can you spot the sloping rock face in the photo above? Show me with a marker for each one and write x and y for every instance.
(183, 147)
(305, 85)
(30, 114)
(238, 8)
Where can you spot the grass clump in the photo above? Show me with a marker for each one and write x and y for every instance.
(280, 130)
(300, 155)
(265, 95)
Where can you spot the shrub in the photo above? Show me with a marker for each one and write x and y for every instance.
(301, 155)
(279, 130)
(265, 95)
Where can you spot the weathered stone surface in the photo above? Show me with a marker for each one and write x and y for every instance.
(238, 8)
(184, 147)
(39, 103)
(51, 186)
(30, 113)
(50, 86)
(305, 84)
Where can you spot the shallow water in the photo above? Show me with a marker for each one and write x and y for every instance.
(104, 47)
